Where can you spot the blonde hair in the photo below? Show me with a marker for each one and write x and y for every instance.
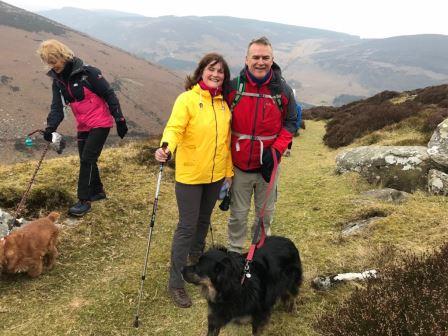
(53, 49)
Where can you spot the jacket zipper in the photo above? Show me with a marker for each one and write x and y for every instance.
(216, 140)
(253, 129)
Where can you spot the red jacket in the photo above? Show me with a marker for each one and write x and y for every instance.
(257, 121)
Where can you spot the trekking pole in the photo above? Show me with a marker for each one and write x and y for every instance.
(151, 225)
(28, 140)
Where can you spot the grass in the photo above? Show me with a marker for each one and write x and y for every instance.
(94, 286)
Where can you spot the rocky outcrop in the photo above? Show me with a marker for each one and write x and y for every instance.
(438, 145)
(400, 167)
(437, 182)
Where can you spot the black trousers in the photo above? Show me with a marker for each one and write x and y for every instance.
(195, 203)
(90, 145)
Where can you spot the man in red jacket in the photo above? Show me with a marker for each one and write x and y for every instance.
(263, 117)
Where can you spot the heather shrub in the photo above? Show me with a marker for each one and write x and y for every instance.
(410, 298)
(381, 97)
(357, 119)
(437, 95)
(319, 113)
(435, 118)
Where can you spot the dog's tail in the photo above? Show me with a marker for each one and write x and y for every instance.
(54, 216)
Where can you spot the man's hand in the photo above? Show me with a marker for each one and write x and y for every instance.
(268, 163)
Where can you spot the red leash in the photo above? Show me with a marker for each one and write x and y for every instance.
(260, 225)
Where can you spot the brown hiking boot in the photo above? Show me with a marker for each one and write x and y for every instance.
(180, 297)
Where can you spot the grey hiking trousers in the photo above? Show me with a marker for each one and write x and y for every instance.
(245, 185)
(195, 203)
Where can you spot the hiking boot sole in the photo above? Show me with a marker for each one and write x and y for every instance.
(78, 214)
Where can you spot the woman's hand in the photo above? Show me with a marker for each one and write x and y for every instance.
(229, 181)
(162, 155)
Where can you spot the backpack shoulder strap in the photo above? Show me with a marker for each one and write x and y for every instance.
(240, 88)
(276, 92)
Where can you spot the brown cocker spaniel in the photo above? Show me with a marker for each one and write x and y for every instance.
(31, 247)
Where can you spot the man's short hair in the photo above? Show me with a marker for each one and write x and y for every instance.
(261, 40)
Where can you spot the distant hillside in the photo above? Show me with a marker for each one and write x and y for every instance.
(146, 91)
(321, 65)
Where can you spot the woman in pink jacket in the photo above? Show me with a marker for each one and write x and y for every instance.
(95, 107)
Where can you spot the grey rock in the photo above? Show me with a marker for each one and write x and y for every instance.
(387, 195)
(438, 145)
(355, 226)
(400, 167)
(5, 219)
(329, 281)
(437, 182)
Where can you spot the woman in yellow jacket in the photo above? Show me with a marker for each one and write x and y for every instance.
(199, 128)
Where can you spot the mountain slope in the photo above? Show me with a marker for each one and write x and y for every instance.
(321, 65)
(146, 91)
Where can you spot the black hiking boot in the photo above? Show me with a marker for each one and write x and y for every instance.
(80, 208)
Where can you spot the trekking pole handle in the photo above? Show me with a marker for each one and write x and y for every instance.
(164, 147)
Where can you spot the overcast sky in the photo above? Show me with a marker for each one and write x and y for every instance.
(365, 18)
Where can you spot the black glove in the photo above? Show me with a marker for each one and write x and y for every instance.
(268, 163)
(47, 133)
(122, 128)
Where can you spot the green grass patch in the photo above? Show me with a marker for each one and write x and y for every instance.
(94, 286)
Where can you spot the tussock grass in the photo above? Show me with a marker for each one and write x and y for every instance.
(94, 286)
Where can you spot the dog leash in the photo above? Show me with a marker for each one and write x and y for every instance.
(13, 222)
(260, 225)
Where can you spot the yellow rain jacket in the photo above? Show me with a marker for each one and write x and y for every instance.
(199, 127)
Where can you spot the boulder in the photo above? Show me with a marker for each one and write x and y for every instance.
(438, 145)
(399, 167)
(437, 182)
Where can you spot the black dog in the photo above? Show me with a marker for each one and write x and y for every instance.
(276, 273)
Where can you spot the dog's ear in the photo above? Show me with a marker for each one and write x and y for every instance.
(226, 275)
(54, 216)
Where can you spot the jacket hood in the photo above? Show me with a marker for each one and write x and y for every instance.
(77, 67)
